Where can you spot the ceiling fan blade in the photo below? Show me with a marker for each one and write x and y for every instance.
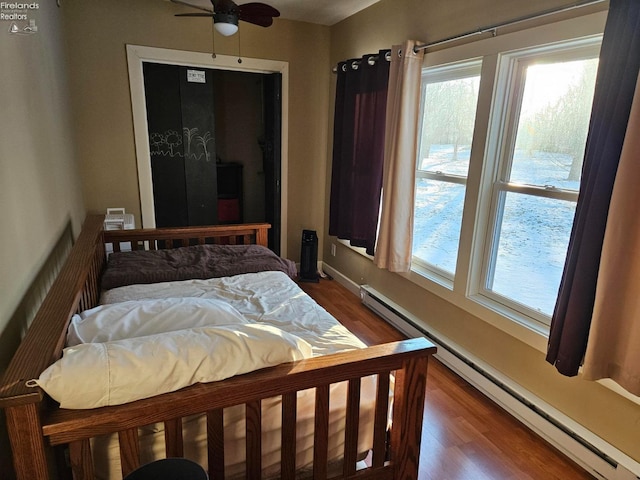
(193, 15)
(256, 9)
(254, 12)
(261, 21)
(187, 4)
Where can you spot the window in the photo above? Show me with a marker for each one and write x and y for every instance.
(497, 175)
(449, 100)
(539, 153)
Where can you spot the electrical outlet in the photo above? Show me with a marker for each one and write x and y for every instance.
(333, 249)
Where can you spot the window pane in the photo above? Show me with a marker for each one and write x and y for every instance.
(437, 221)
(532, 247)
(447, 129)
(553, 123)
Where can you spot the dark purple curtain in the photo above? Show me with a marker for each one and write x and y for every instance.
(358, 149)
(615, 88)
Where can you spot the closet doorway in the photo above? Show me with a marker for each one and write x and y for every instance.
(209, 135)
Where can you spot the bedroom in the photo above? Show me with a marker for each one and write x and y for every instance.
(68, 148)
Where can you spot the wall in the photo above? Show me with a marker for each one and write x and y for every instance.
(97, 33)
(388, 22)
(40, 191)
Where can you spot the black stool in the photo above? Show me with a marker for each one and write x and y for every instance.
(169, 469)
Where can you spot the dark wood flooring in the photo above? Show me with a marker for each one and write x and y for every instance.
(465, 436)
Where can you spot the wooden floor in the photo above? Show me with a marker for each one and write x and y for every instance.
(465, 435)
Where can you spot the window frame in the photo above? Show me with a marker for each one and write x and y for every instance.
(508, 96)
(441, 73)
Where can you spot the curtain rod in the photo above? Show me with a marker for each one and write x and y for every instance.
(493, 28)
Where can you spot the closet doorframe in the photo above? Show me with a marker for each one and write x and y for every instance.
(136, 55)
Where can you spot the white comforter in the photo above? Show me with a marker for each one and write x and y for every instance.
(269, 298)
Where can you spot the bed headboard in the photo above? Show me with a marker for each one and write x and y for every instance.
(153, 239)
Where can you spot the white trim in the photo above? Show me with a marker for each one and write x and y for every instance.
(137, 54)
(343, 280)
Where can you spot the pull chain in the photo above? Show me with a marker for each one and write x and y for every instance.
(239, 55)
(213, 40)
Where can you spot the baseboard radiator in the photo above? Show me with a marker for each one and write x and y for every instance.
(594, 454)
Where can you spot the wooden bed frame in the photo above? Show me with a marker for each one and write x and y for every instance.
(49, 442)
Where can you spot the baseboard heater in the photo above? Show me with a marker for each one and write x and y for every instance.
(594, 454)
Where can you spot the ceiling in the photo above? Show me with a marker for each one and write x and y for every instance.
(323, 12)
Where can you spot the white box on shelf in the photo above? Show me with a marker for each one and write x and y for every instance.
(117, 219)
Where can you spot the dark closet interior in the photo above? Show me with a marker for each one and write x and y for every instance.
(214, 139)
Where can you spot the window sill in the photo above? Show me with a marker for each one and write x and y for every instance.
(525, 329)
(516, 325)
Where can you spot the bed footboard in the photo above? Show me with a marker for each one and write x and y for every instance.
(408, 359)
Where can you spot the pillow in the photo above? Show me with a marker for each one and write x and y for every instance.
(92, 375)
(137, 318)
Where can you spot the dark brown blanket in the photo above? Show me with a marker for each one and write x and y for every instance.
(185, 263)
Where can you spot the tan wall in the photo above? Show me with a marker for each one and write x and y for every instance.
(605, 413)
(97, 33)
(40, 191)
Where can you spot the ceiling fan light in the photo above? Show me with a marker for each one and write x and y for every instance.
(226, 29)
(225, 24)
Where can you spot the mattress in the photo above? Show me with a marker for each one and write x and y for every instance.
(270, 298)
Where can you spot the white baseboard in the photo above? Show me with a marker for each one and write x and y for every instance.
(594, 454)
(346, 282)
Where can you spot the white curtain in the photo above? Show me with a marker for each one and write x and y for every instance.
(613, 349)
(393, 249)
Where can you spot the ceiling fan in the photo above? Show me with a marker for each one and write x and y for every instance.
(226, 14)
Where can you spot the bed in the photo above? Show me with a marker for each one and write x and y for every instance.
(49, 441)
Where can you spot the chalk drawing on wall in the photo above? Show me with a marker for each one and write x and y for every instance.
(167, 144)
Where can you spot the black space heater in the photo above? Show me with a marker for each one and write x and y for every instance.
(309, 257)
